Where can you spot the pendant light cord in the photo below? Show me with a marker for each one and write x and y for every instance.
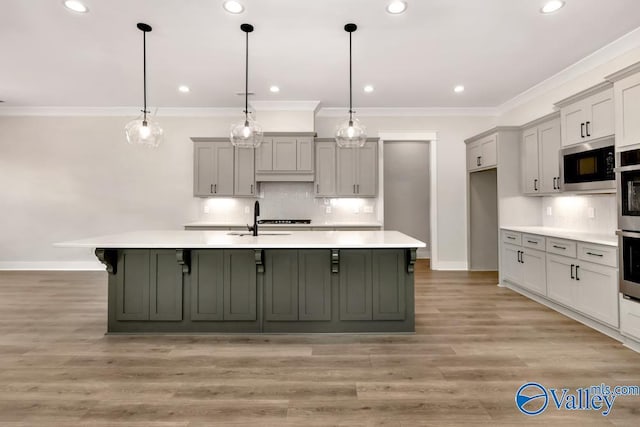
(350, 83)
(246, 79)
(144, 73)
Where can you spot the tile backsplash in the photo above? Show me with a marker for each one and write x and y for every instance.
(593, 213)
(289, 200)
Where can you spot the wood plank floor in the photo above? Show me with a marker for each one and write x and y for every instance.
(474, 346)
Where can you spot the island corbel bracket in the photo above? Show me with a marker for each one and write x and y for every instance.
(109, 257)
(184, 258)
(411, 260)
(335, 261)
(259, 260)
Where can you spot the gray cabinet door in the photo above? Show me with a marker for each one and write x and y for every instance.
(132, 285)
(355, 285)
(223, 169)
(245, 178)
(366, 170)
(285, 154)
(203, 166)
(207, 285)
(314, 270)
(264, 156)
(304, 155)
(325, 182)
(239, 285)
(389, 297)
(345, 172)
(549, 146)
(281, 284)
(165, 301)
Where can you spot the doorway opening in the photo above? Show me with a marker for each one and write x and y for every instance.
(483, 220)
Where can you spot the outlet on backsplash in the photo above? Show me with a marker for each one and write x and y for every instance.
(591, 213)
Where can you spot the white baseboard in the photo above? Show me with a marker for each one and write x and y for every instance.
(449, 265)
(52, 265)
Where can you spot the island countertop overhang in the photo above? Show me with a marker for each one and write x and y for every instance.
(197, 239)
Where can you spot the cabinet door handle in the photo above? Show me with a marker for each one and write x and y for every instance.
(588, 134)
(560, 247)
(480, 161)
(558, 183)
(577, 267)
(582, 130)
(518, 256)
(215, 188)
(572, 267)
(251, 188)
(354, 189)
(317, 188)
(592, 254)
(535, 185)
(554, 183)
(358, 188)
(211, 189)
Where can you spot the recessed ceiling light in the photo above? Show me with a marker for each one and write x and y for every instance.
(458, 89)
(274, 89)
(396, 7)
(184, 89)
(233, 6)
(76, 6)
(368, 88)
(552, 6)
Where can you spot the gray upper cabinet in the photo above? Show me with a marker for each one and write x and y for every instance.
(626, 88)
(483, 153)
(587, 115)
(325, 183)
(286, 157)
(244, 169)
(357, 171)
(540, 151)
(213, 168)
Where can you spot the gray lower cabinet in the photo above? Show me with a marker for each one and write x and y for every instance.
(150, 286)
(355, 285)
(388, 293)
(223, 285)
(297, 285)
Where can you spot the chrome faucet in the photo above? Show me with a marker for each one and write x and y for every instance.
(256, 214)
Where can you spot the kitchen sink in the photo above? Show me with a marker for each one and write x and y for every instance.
(248, 233)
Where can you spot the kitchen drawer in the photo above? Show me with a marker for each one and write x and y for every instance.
(598, 254)
(561, 247)
(512, 237)
(534, 242)
(630, 318)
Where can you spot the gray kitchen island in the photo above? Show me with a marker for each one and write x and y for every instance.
(286, 282)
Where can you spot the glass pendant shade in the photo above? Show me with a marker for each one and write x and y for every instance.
(351, 134)
(247, 133)
(144, 131)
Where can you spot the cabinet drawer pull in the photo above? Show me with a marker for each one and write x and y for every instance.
(592, 254)
(560, 247)
(582, 130)
(572, 267)
(511, 238)
(533, 242)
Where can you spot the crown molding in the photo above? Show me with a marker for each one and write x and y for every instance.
(410, 112)
(117, 112)
(285, 105)
(624, 44)
(625, 72)
(583, 94)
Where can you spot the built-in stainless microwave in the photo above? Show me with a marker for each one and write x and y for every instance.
(589, 166)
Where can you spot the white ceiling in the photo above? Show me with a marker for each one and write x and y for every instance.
(496, 48)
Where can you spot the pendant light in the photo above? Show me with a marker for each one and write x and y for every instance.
(144, 130)
(350, 133)
(246, 133)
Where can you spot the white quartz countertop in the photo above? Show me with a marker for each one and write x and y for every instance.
(562, 233)
(227, 240)
(311, 225)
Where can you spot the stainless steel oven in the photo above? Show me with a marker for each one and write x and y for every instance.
(589, 166)
(628, 180)
(629, 252)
